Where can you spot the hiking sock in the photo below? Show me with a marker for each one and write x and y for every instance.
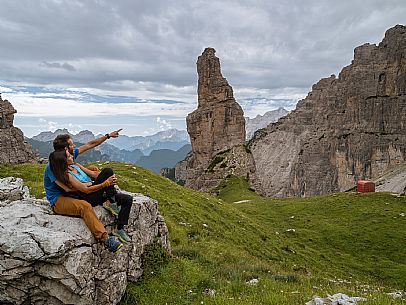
(112, 199)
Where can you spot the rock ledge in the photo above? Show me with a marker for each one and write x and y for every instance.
(52, 259)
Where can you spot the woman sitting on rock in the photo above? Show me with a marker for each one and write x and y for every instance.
(101, 191)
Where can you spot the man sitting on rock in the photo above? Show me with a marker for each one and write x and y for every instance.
(64, 205)
(65, 141)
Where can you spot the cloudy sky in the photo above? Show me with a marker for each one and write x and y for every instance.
(102, 65)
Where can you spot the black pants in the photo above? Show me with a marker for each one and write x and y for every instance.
(100, 196)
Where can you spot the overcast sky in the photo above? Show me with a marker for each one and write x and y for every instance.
(102, 64)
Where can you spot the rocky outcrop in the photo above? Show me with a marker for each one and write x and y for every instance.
(338, 298)
(261, 121)
(13, 148)
(347, 128)
(218, 122)
(236, 161)
(53, 259)
(168, 172)
(216, 128)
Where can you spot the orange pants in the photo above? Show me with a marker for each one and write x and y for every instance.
(76, 207)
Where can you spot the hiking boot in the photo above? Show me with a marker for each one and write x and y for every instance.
(111, 207)
(122, 235)
(112, 244)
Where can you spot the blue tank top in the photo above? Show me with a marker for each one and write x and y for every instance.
(81, 175)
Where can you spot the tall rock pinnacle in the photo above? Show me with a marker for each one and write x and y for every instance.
(217, 131)
(218, 123)
(212, 86)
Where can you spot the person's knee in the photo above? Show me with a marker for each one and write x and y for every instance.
(124, 199)
(128, 200)
(93, 168)
(108, 171)
(85, 207)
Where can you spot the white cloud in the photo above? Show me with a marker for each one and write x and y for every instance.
(68, 105)
(163, 124)
(5, 89)
(52, 126)
(74, 104)
(74, 128)
(49, 125)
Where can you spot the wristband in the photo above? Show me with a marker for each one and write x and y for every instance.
(105, 184)
(107, 135)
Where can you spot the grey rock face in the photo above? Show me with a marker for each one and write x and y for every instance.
(53, 259)
(12, 189)
(393, 181)
(347, 128)
(261, 121)
(13, 149)
(236, 161)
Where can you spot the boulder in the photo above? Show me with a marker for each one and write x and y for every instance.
(336, 299)
(52, 259)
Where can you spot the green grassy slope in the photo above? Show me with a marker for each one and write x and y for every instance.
(296, 247)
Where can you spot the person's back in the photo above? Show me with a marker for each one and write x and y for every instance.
(52, 190)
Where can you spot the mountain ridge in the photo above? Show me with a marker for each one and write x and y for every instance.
(123, 141)
(262, 121)
(348, 127)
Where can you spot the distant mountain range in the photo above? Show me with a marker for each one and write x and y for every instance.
(169, 139)
(163, 149)
(164, 158)
(43, 149)
(261, 121)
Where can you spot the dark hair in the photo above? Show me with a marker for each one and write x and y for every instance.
(61, 142)
(58, 163)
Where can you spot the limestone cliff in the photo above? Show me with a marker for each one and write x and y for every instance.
(216, 129)
(347, 128)
(13, 149)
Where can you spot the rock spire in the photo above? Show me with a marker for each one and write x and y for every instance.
(13, 149)
(218, 122)
(216, 129)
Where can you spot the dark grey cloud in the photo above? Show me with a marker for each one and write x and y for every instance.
(58, 65)
(264, 44)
